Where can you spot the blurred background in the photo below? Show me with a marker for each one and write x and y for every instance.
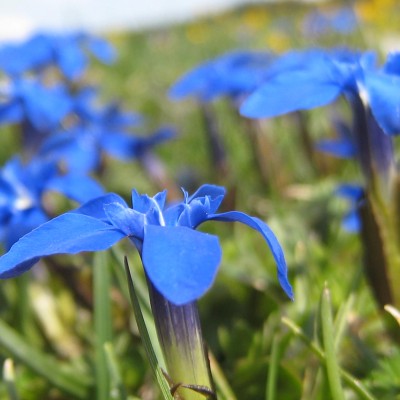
(19, 18)
(156, 43)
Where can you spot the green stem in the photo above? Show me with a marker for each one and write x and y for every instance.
(224, 390)
(352, 382)
(151, 355)
(102, 321)
(180, 337)
(332, 366)
(273, 369)
(117, 389)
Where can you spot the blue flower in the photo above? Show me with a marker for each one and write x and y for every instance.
(179, 261)
(100, 130)
(233, 74)
(301, 81)
(343, 146)
(342, 20)
(22, 188)
(69, 52)
(18, 58)
(29, 101)
(351, 222)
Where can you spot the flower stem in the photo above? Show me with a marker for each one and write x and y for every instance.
(180, 337)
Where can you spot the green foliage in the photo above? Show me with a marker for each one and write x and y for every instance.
(263, 346)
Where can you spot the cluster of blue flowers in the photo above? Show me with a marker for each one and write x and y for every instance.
(179, 261)
(264, 85)
(64, 129)
(65, 132)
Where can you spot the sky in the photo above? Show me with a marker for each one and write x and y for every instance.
(19, 18)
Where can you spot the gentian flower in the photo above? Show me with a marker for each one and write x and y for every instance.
(299, 81)
(22, 188)
(316, 78)
(343, 146)
(29, 101)
(98, 131)
(233, 74)
(68, 52)
(29, 55)
(351, 222)
(179, 261)
(342, 21)
(374, 97)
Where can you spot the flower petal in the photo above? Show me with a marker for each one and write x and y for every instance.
(293, 91)
(69, 233)
(384, 99)
(351, 222)
(125, 219)
(213, 191)
(180, 262)
(270, 238)
(95, 208)
(80, 188)
(338, 147)
(101, 49)
(22, 223)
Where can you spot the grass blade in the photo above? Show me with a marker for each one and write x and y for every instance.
(61, 376)
(351, 381)
(332, 366)
(162, 382)
(117, 388)
(9, 379)
(102, 321)
(224, 391)
(273, 369)
(341, 320)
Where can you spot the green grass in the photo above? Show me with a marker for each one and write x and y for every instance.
(258, 355)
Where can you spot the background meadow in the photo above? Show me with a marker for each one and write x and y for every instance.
(56, 318)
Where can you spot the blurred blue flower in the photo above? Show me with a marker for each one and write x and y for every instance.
(179, 261)
(100, 130)
(22, 188)
(354, 194)
(297, 82)
(69, 52)
(233, 74)
(301, 81)
(342, 146)
(305, 80)
(342, 20)
(28, 101)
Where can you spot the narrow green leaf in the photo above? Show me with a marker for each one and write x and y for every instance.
(24, 313)
(332, 366)
(102, 321)
(224, 391)
(161, 380)
(140, 282)
(9, 379)
(117, 388)
(60, 375)
(341, 320)
(142, 294)
(273, 369)
(351, 381)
